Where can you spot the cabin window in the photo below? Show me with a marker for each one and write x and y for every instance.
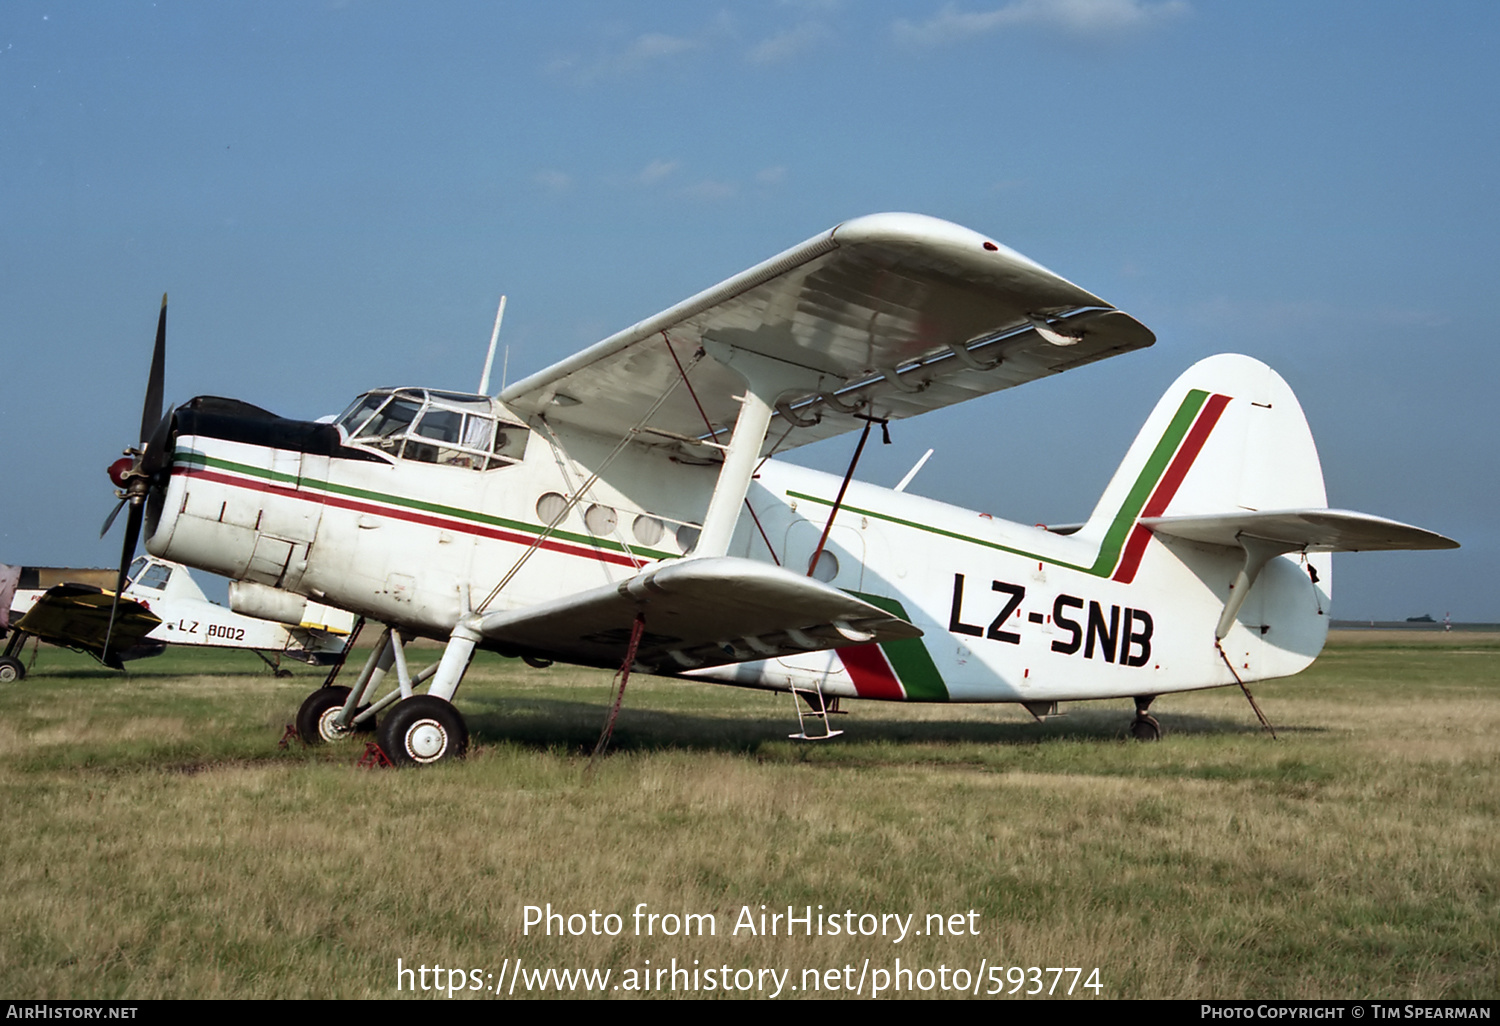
(510, 443)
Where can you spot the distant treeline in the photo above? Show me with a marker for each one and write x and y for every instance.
(1408, 625)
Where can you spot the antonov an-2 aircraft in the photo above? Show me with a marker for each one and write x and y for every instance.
(159, 605)
(621, 508)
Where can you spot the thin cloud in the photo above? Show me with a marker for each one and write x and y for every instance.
(553, 181)
(653, 46)
(786, 45)
(649, 49)
(655, 172)
(1090, 18)
(711, 191)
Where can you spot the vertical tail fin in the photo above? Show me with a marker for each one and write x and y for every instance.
(1227, 436)
(1220, 502)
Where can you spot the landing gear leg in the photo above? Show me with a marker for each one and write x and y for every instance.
(425, 729)
(1144, 727)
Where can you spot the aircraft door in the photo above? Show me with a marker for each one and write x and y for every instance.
(842, 562)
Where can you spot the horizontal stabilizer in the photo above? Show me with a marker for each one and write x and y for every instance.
(698, 612)
(1310, 530)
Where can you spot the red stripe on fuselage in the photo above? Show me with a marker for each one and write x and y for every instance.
(870, 672)
(1167, 487)
(396, 513)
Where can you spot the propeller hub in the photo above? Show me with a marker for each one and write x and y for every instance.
(119, 469)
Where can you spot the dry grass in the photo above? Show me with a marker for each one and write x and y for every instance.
(158, 844)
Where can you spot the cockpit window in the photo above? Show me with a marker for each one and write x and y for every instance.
(391, 422)
(440, 425)
(426, 426)
(359, 411)
(153, 576)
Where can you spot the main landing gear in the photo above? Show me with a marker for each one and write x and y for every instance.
(422, 730)
(11, 667)
(1144, 727)
(317, 719)
(418, 730)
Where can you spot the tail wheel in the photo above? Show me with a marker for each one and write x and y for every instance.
(11, 670)
(1145, 728)
(422, 730)
(315, 720)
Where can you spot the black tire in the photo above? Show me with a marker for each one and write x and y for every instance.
(1145, 728)
(315, 718)
(422, 730)
(11, 670)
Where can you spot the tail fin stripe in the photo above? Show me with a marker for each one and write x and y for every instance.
(1155, 466)
(1166, 488)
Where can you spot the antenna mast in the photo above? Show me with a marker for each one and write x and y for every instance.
(489, 359)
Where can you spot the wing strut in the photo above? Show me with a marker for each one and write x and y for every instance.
(734, 477)
(833, 511)
(766, 380)
(714, 434)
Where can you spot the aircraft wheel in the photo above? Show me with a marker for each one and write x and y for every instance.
(11, 670)
(1145, 728)
(422, 730)
(315, 724)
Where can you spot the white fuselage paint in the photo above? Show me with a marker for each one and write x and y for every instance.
(416, 545)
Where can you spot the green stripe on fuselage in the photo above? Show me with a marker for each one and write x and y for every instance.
(1119, 529)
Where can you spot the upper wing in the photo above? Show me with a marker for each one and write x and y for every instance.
(77, 616)
(889, 315)
(697, 612)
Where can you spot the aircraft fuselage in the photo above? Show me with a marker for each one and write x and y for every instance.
(1009, 612)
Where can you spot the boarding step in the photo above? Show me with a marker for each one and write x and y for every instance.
(819, 708)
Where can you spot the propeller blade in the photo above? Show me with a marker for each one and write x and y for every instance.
(157, 455)
(132, 535)
(151, 412)
(156, 436)
(109, 520)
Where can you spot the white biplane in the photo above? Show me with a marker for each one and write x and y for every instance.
(159, 605)
(621, 509)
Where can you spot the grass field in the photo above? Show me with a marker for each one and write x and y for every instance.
(159, 844)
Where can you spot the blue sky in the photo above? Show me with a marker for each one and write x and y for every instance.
(336, 194)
